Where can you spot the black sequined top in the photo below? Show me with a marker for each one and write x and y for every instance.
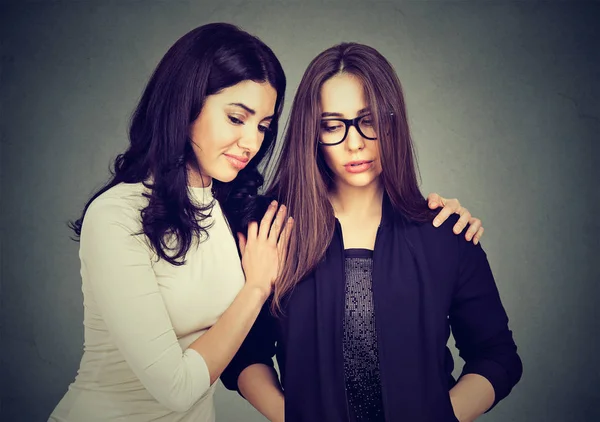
(361, 361)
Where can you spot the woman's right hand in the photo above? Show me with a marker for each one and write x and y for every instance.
(263, 252)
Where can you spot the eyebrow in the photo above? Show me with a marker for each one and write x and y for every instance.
(248, 109)
(361, 111)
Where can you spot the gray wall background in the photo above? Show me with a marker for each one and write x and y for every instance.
(504, 106)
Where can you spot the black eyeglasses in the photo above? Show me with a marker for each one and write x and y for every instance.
(334, 131)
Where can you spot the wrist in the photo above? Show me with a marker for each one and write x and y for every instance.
(258, 292)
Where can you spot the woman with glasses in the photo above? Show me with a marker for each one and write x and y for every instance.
(361, 316)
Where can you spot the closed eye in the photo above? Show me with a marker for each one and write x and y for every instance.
(366, 120)
(235, 120)
(331, 127)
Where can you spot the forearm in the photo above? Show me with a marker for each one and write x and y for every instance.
(471, 397)
(220, 343)
(259, 385)
(480, 326)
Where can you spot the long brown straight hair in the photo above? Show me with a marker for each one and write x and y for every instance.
(302, 179)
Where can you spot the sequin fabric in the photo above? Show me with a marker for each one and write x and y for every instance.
(361, 361)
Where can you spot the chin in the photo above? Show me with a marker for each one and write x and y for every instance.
(359, 180)
(225, 177)
(360, 184)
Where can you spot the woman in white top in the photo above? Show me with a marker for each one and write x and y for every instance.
(167, 301)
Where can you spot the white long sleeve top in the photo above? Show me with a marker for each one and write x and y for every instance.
(141, 314)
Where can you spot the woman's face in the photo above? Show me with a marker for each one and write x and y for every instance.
(355, 161)
(230, 130)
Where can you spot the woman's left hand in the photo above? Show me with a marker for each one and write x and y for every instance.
(452, 206)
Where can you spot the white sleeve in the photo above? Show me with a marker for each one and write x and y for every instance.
(118, 266)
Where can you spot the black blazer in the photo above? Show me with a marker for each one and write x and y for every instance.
(426, 281)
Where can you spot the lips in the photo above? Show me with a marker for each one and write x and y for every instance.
(238, 162)
(358, 163)
(358, 166)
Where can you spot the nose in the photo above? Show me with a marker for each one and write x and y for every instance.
(354, 141)
(251, 140)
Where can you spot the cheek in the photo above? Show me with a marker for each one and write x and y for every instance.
(200, 134)
(376, 154)
(211, 139)
(329, 155)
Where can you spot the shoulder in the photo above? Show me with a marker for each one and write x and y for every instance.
(443, 242)
(122, 204)
(427, 230)
(440, 244)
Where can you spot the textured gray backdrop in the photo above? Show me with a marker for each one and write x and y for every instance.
(504, 105)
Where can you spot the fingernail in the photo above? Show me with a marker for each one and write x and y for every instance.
(273, 203)
(436, 222)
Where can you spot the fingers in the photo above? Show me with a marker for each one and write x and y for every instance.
(252, 230)
(477, 237)
(242, 242)
(443, 215)
(434, 200)
(265, 223)
(277, 225)
(474, 225)
(451, 206)
(465, 217)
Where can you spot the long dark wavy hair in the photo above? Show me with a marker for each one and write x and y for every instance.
(302, 179)
(203, 62)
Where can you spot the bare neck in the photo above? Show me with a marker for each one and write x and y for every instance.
(357, 203)
(195, 177)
